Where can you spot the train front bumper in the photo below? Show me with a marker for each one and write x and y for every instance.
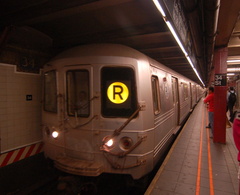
(78, 167)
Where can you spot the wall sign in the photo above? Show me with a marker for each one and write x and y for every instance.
(220, 80)
(28, 97)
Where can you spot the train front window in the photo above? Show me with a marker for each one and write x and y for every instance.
(78, 93)
(50, 91)
(118, 92)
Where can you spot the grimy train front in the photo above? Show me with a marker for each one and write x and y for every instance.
(98, 113)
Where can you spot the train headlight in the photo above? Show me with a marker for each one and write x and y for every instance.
(108, 141)
(126, 143)
(55, 134)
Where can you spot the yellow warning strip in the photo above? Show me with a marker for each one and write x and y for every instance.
(200, 156)
(210, 165)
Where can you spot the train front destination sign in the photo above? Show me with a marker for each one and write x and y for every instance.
(117, 92)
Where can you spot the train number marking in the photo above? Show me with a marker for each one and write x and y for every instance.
(117, 92)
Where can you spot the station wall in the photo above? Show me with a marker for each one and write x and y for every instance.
(20, 108)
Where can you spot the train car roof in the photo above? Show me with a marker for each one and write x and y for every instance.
(108, 49)
(100, 50)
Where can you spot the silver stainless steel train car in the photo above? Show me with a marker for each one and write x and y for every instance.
(111, 109)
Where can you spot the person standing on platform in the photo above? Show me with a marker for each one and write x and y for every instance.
(231, 100)
(210, 100)
(236, 136)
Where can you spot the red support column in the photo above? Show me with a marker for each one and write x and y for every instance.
(220, 95)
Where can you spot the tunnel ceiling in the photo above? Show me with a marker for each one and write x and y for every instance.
(42, 28)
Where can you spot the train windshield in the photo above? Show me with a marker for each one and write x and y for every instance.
(50, 91)
(118, 92)
(78, 93)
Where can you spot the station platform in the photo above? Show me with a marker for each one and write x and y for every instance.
(197, 165)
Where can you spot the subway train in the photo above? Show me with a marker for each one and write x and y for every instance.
(108, 108)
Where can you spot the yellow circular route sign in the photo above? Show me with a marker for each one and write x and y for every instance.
(117, 92)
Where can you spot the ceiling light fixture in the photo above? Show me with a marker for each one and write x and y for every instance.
(232, 61)
(160, 9)
(230, 74)
(233, 69)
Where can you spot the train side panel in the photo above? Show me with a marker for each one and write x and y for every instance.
(163, 110)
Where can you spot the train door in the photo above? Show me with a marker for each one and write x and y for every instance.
(79, 101)
(78, 92)
(176, 105)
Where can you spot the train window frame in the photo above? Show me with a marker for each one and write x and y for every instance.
(52, 106)
(156, 94)
(125, 75)
(73, 106)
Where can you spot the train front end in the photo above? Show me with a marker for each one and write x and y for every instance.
(92, 118)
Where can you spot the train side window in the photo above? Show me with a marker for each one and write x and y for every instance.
(118, 92)
(50, 91)
(78, 93)
(185, 91)
(156, 94)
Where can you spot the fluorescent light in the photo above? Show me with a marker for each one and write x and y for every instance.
(233, 69)
(190, 61)
(159, 7)
(176, 38)
(230, 74)
(232, 61)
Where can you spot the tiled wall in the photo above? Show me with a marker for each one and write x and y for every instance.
(20, 120)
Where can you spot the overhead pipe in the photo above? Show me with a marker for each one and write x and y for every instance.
(191, 8)
(211, 10)
(203, 43)
(193, 13)
(205, 64)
